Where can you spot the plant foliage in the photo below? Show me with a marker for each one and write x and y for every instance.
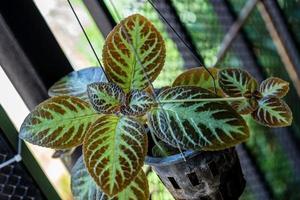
(74, 84)
(263, 103)
(114, 151)
(134, 53)
(60, 122)
(196, 125)
(200, 77)
(108, 117)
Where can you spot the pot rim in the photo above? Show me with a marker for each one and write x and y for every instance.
(169, 160)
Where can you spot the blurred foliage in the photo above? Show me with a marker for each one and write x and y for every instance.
(291, 12)
(247, 194)
(203, 25)
(261, 42)
(272, 161)
(157, 189)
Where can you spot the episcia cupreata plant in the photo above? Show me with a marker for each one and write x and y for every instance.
(107, 115)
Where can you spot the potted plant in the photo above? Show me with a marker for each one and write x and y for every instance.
(112, 113)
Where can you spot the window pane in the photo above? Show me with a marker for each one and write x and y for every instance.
(67, 32)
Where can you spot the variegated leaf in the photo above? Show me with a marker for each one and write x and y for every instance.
(273, 112)
(199, 77)
(106, 97)
(138, 189)
(163, 149)
(244, 107)
(236, 82)
(200, 125)
(274, 86)
(75, 83)
(59, 122)
(82, 185)
(138, 103)
(114, 151)
(133, 53)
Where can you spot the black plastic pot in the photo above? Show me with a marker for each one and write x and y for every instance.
(204, 175)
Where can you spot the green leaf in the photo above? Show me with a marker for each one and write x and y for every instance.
(75, 83)
(114, 151)
(244, 107)
(59, 122)
(196, 125)
(138, 189)
(273, 112)
(133, 41)
(199, 77)
(163, 149)
(82, 185)
(106, 97)
(236, 82)
(274, 86)
(138, 103)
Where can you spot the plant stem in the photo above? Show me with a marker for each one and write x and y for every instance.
(203, 100)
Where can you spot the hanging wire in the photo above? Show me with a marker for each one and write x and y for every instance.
(194, 54)
(86, 37)
(146, 74)
(16, 158)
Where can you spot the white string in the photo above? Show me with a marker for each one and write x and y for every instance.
(16, 158)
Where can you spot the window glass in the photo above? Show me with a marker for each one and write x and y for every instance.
(67, 32)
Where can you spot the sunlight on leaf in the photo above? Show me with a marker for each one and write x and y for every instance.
(59, 122)
(134, 41)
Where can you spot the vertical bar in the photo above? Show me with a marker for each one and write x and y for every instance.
(30, 55)
(101, 15)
